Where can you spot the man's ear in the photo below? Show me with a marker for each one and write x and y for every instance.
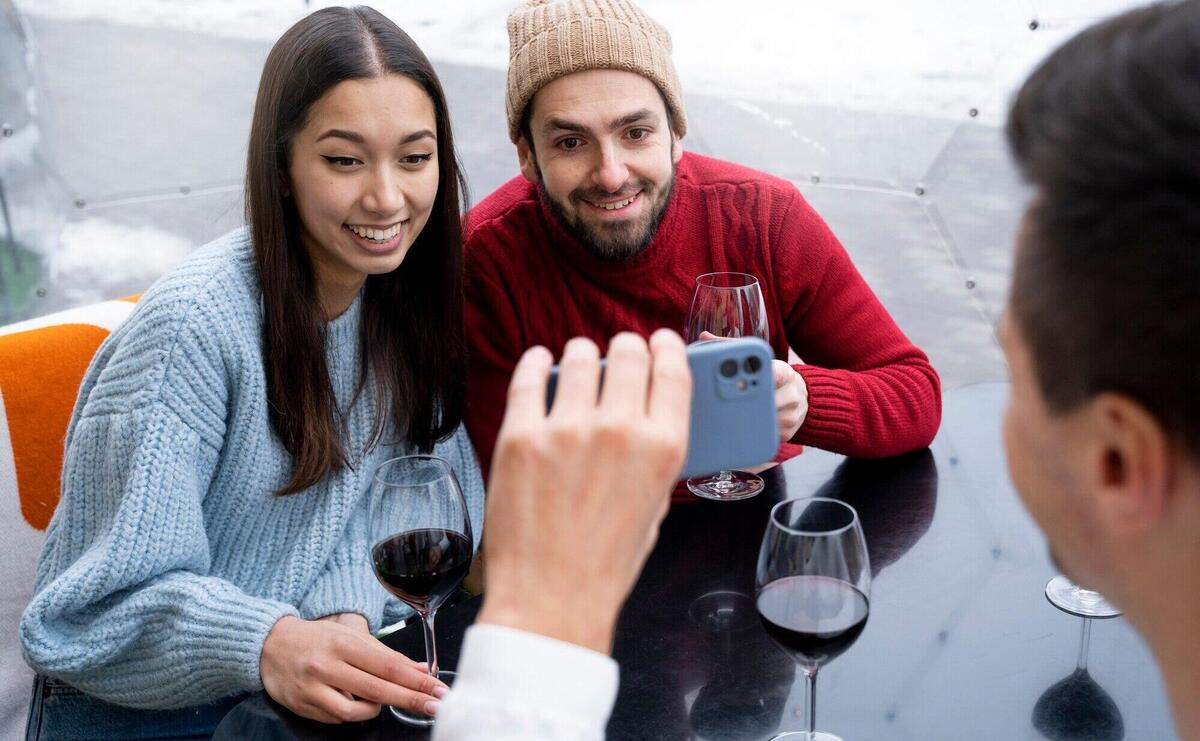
(676, 148)
(1130, 460)
(527, 160)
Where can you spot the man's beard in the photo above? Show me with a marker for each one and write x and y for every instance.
(618, 241)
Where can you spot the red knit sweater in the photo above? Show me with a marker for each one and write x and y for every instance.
(871, 392)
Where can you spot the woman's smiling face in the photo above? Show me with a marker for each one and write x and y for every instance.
(364, 176)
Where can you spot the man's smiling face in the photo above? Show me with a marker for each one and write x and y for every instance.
(603, 153)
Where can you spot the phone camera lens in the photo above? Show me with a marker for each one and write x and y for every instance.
(729, 368)
(752, 365)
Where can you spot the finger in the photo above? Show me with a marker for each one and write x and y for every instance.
(338, 708)
(782, 372)
(413, 690)
(707, 336)
(578, 380)
(670, 402)
(376, 659)
(626, 378)
(527, 389)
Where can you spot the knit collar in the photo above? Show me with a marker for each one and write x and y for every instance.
(586, 263)
(342, 331)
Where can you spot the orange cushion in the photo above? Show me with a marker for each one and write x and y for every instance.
(40, 373)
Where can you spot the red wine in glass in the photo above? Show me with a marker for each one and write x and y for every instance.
(813, 588)
(815, 618)
(421, 543)
(422, 567)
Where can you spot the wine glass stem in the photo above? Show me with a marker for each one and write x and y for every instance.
(430, 644)
(810, 702)
(1085, 639)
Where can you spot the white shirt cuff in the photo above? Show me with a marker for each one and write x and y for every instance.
(509, 677)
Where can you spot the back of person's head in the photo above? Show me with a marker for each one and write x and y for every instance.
(1106, 288)
(412, 334)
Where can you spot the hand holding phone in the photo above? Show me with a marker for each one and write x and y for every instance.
(733, 416)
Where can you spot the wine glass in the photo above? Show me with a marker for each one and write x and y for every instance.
(726, 305)
(421, 543)
(813, 588)
(1073, 599)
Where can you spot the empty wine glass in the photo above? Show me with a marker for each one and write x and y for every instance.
(813, 588)
(421, 543)
(1071, 598)
(726, 305)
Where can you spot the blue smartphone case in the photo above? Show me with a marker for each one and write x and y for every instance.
(733, 405)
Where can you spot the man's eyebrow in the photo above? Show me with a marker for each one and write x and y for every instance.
(643, 115)
(561, 124)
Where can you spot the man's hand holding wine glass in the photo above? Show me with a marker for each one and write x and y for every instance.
(577, 494)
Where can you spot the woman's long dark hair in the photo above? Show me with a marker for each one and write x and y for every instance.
(411, 333)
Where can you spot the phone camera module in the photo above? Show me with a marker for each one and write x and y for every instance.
(729, 368)
(752, 365)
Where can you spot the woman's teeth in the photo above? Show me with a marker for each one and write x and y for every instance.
(376, 235)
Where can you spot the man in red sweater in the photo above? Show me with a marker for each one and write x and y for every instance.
(611, 222)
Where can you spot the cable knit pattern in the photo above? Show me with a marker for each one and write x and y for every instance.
(169, 559)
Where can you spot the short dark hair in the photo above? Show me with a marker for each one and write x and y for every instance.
(1106, 288)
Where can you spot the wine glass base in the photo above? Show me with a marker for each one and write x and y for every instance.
(422, 721)
(1066, 596)
(806, 736)
(736, 485)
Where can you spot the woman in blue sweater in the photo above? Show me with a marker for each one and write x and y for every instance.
(211, 536)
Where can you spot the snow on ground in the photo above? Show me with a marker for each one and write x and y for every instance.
(924, 57)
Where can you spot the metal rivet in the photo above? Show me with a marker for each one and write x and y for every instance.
(919, 190)
(997, 553)
(7, 129)
(41, 293)
(815, 179)
(184, 189)
(1033, 25)
(954, 460)
(80, 203)
(943, 636)
(973, 112)
(970, 283)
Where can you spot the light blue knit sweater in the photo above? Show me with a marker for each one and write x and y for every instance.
(169, 559)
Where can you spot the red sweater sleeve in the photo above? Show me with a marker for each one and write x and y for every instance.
(871, 392)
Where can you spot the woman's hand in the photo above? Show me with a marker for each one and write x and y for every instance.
(349, 619)
(332, 672)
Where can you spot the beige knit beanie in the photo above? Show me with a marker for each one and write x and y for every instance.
(548, 39)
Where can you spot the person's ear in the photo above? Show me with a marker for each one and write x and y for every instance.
(1129, 459)
(527, 160)
(676, 148)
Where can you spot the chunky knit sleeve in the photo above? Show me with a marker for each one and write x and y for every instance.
(125, 608)
(348, 583)
(871, 392)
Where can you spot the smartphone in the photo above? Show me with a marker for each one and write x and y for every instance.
(733, 405)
